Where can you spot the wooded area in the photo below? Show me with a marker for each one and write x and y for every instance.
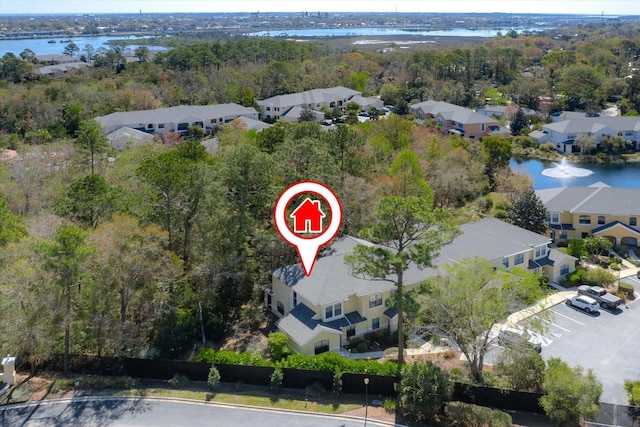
(148, 251)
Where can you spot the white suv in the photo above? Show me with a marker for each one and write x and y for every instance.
(583, 302)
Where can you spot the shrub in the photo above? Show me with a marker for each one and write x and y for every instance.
(598, 277)
(206, 355)
(626, 288)
(315, 390)
(389, 406)
(178, 380)
(521, 368)
(571, 395)
(337, 383)
(333, 362)
(228, 357)
(548, 146)
(500, 214)
(633, 391)
(214, 378)
(362, 347)
(423, 390)
(278, 345)
(468, 415)
(275, 379)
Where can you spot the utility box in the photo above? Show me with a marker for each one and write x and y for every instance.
(9, 365)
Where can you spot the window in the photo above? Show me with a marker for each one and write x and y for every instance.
(295, 298)
(632, 221)
(351, 331)
(212, 121)
(600, 220)
(541, 251)
(375, 300)
(585, 235)
(149, 126)
(268, 109)
(333, 310)
(161, 126)
(518, 259)
(375, 323)
(321, 346)
(280, 307)
(482, 127)
(505, 262)
(584, 219)
(564, 269)
(269, 301)
(183, 126)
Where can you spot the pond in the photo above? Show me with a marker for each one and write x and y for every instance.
(617, 175)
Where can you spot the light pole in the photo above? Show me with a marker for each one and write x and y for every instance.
(366, 400)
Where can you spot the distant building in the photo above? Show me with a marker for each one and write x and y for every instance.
(563, 134)
(317, 100)
(176, 119)
(459, 120)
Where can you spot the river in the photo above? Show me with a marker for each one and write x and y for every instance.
(618, 175)
(357, 32)
(43, 47)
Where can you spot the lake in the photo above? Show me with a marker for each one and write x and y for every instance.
(626, 175)
(341, 32)
(43, 47)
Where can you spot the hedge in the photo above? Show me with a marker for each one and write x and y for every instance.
(330, 362)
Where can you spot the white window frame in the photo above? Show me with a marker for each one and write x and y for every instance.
(334, 308)
(518, 259)
(375, 301)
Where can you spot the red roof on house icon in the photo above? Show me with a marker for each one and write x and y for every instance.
(307, 217)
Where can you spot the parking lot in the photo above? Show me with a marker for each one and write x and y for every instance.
(607, 342)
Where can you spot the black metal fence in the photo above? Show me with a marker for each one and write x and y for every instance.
(292, 378)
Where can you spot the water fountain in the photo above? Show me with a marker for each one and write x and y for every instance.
(564, 170)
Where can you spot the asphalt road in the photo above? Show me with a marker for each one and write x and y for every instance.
(140, 411)
(608, 343)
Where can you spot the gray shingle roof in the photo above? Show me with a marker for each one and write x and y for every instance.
(490, 239)
(314, 96)
(451, 112)
(595, 124)
(300, 325)
(593, 200)
(175, 114)
(332, 280)
(122, 136)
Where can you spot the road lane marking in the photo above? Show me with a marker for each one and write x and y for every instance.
(567, 317)
(552, 324)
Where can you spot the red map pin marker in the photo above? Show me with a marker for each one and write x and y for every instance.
(308, 218)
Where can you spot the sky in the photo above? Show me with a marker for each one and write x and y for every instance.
(608, 7)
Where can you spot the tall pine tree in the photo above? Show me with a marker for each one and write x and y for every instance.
(528, 212)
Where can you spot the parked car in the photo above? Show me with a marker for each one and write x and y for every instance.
(583, 302)
(512, 337)
(605, 299)
(363, 114)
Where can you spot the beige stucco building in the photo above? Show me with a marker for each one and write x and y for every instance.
(324, 311)
(596, 210)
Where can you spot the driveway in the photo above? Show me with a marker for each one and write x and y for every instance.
(139, 411)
